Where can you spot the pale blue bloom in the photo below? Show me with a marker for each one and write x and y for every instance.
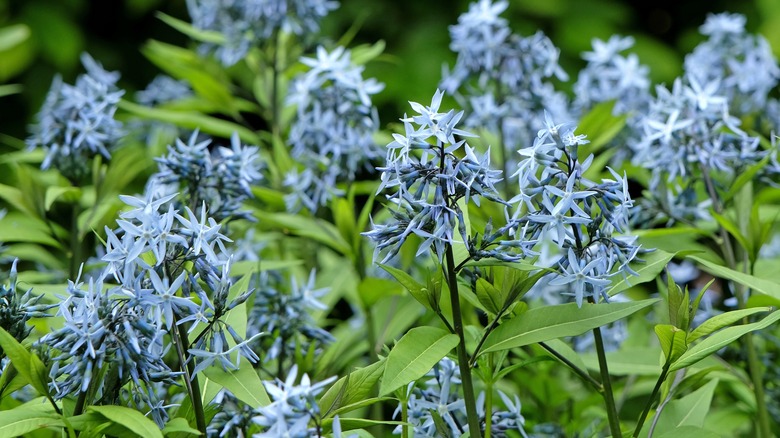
(221, 178)
(247, 23)
(332, 134)
(292, 407)
(76, 122)
(428, 179)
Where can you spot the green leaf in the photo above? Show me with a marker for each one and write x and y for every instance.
(26, 363)
(414, 355)
(25, 419)
(689, 432)
(129, 418)
(673, 342)
(314, 228)
(352, 388)
(70, 193)
(13, 35)
(601, 125)
(372, 289)
(417, 290)
(489, 295)
(732, 228)
(8, 89)
(719, 340)
(767, 287)
(748, 175)
(365, 52)
(654, 263)
(690, 410)
(552, 322)
(251, 267)
(192, 120)
(204, 36)
(244, 383)
(718, 322)
(344, 218)
(179, 425)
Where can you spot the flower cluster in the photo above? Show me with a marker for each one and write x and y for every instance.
(103, 328)
(163, 89)
(286, 317)
(557, 205)
(16, 309)
(332, 133)
(439, 397)
(245, 23)
(612, 76)
(172, 276)
(736, 65)
(429, 179)
(76, 122)
(220, 178)
(688, 130)
(502, 79)
(293, 407)
(691, 132)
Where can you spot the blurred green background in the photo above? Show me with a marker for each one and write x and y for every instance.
(39, 38)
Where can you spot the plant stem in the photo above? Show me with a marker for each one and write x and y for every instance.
(75, 243)
(609, 398)
(405, 417)
(463, 359)
(190, 380)
(678, 377)
(650, 400)
(577, 370)
(81, 403)
(488, 409)
(754, 365)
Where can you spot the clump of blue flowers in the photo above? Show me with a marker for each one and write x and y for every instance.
(17, 309)
(220, 177)
(171, 279)
(556, 205)
(437, 400)
(285, 317)
(610, 75)
(502, 79)
(429, 178)
(332, 135)
(246, 23)
(163, 89)
(76, 122)
(733, 63)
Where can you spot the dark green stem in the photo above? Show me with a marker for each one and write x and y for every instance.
(275, 126)
(463, 358)
(651, 400)
(81, 403)
(754, 364)
(190, 379)
(75, 243)
(609, 398)
(577, 370)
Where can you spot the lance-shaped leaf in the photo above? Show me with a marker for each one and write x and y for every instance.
(414, 355)
(130, 419)
(424, 295)
(553, 322)
(653, 264)
(719, 340)
(673, 341)
(718, 322)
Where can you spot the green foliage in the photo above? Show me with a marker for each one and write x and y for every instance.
(414, 355)
(553, 322)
